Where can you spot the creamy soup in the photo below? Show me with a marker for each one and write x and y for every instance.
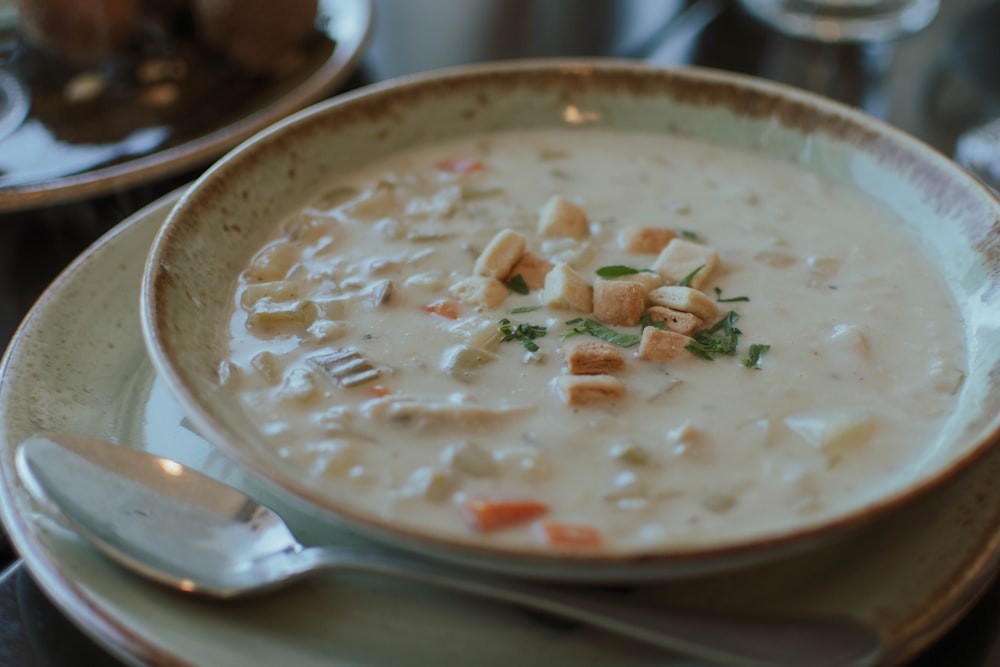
(594, 340)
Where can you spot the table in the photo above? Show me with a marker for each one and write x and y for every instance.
(932, 85)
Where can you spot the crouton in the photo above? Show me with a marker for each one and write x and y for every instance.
(675, 320)
(680, 258)
(559, 217)
(661, 345)
(647, 280)
(686, 300)
(532, 268)
(643, 239)
(480, 291)
(592, 357)
(619, 302)
(567, 290)
(500, 255)
(584, 389)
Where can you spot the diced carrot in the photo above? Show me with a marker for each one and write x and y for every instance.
(571, 534)
(459, 165)
(489, 514)
(444, 308)
(378, 391)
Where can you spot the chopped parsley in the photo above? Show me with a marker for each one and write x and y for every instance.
(721, 338)
(523, 309)
(517, 284)
(718, 297)
(646, 321)
(686, 280)
(752, 360)
(585, 325)
(615, 270)
(525, 333)
(688, 234)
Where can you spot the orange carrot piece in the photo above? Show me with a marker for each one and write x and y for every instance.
(378, 391)
(459, 165)
(489, 514)
(444, 308)
(571, 534)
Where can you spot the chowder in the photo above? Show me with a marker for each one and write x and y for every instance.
(594, 340)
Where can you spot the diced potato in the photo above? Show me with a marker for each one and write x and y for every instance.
(500, 255)
(560, 217)
(298, 386)
(333, 457)
(332, 307)
(629, 452)
(379, 202)
(645, 239)
(468, 458)
(480, 291)
(272, 263)
(525, 462)
(269, 313)
(430, 483)
(462, 361)
(324, 331)
(686, 300)
(532, 268)
(592, 357)
(278, 290)
(833, 429)
(626, 484)
(570, 251)
(267, 366)
(478, 331)
(662, 345)
(429, 281)
(681, 257)
(566, 289)
(618, 302)
(586, 389)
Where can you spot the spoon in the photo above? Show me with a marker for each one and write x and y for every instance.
(181, 528)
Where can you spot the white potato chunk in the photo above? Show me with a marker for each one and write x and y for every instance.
(266, 313)
(468, 458)
(833, 429)
(278, 290)
(462, 361)
(272, 263)
(430, 483)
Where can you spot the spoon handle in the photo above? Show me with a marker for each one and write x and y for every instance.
(738, 640)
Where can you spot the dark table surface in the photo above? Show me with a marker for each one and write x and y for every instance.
(934, 85)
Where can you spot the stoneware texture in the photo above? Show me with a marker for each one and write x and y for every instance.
(78, 364)
(225, 216)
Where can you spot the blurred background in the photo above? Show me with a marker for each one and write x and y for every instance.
(106, 105)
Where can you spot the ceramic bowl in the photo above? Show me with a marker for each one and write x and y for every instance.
(226, 215)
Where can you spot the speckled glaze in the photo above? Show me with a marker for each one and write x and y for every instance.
(224, 218)
(78, 363)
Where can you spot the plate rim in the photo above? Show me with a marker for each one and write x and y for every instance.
(964, 587)
(347, 53)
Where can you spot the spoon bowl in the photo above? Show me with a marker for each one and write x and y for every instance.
(186, 530)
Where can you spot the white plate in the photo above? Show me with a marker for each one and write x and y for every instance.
(78, 364)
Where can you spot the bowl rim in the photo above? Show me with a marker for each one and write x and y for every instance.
(843, 119)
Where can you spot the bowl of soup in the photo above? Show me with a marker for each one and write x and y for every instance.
(585, 320)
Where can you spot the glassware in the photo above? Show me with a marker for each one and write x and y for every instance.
(845, 20)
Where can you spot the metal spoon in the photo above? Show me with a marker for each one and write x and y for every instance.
(189, 531)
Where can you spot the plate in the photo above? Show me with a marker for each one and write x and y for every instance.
(59, 150)
(78, 364)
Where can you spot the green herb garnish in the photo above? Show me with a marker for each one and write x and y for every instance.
(752, 360)
(525, 333)
(597, 329)
(523, 309)
(718, 297)
(688, 234)
(707, 342)
(615, 270)
(686, 281)
(646, 321)
(517, 284)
